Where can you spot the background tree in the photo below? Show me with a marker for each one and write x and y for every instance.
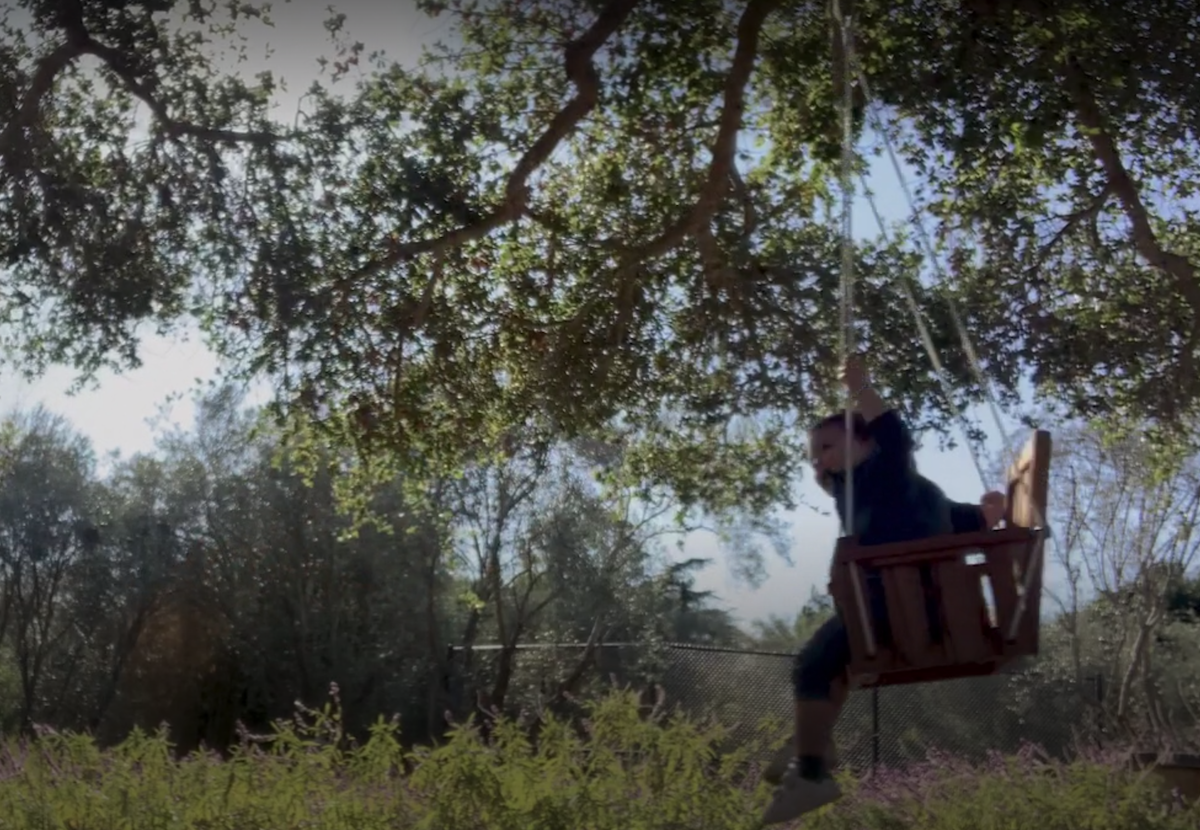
(1127, 514)
(776, 633)
(46, 469)
(406, 289)
(209, 583)
(462, 345)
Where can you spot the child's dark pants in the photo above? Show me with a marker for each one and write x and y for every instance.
(826, 656)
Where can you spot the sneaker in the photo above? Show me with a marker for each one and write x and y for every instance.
(796, 796)
(786, 756)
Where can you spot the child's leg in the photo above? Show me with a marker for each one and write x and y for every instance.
(787, 754)
(820, 692)
(822, 682)
(819, 668)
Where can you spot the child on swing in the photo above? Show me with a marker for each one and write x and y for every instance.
(892, 503)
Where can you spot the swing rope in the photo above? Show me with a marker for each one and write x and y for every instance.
(842, 28)
(928, 249)
(846, 340)
(939, 370)
(956, 318)
(851, 71)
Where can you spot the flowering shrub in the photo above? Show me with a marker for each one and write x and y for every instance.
(623, 773)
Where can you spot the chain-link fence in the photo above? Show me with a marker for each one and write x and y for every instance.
(742, 689)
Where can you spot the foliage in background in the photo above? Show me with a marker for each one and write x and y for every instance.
(626, 771)
(424, 261)
(210, 584)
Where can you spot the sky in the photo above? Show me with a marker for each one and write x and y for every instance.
(119, 415)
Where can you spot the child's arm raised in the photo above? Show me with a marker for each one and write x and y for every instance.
(858, 382)
(884, 423)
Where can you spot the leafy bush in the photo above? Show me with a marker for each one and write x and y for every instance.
(622, 773)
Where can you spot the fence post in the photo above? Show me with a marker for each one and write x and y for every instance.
(454, 682)
(874, 728)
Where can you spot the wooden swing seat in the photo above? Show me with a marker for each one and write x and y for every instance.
(939, 583)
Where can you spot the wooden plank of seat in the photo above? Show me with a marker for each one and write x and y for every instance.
(853, 617)
(961, 595)
(906, 613)
(933, 674)
(926, 551)
(905, 596)
(899, 564)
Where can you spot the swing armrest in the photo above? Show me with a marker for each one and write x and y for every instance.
(947, 546)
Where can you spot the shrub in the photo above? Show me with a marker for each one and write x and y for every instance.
(623, 773)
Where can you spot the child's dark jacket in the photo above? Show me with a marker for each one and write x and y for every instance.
(892, 501)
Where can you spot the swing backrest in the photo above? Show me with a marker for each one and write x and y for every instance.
(940, 583)
(1029, 483)
(1028, 495)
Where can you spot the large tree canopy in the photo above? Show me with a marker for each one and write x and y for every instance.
(608, 216)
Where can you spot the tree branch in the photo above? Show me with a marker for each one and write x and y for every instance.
(1119, 181)
(1070, 222)
(721, 169)
(569, 684)
(749, 214)
(115, 60)
(47, 71)
(1122, 185)
(1179, 268)
(79, 42)
(581, 72)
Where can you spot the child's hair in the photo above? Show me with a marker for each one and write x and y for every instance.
(838, 419)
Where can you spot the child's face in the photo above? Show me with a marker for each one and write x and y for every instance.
(827, 450)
